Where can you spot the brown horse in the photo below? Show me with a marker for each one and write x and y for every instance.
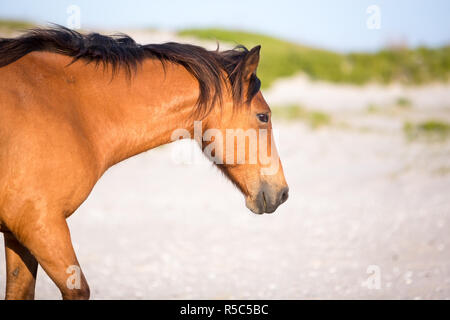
(73, 105)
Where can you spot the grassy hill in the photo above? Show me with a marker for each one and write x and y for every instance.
(9, 26)
(282, 59)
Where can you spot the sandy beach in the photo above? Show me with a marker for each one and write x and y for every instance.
(367, 218)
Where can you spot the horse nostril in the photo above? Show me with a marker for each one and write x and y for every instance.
(284, 195)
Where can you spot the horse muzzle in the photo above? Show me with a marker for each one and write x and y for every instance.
(267, 200)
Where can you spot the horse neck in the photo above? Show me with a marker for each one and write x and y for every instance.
(125, 116)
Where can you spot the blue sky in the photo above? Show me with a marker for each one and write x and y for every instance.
(338, 25)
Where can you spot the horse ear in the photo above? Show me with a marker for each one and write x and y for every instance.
(251, 62)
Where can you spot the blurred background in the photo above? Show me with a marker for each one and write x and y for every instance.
(361, 103)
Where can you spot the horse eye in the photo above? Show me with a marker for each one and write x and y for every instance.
(263, 117)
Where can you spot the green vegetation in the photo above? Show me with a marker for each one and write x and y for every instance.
(283, 59)
(372, 108)
(435, 126)
(430, 130)
(14, 25)
(403, 102)
(314, 119)
(400, 106)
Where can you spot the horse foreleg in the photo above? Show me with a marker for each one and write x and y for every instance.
(21, 269)
(48, 239)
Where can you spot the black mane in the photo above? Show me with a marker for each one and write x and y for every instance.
(121, 51)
